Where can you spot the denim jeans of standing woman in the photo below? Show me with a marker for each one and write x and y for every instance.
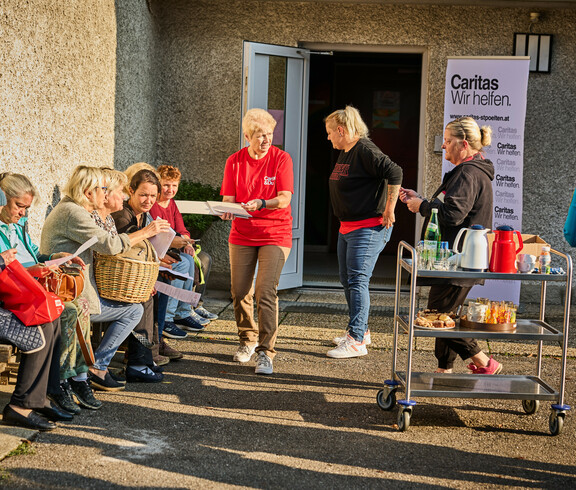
(358, 252)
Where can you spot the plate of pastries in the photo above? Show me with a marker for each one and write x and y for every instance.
(434, 320)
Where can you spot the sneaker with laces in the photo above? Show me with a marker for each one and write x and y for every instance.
(493, 367)
(190, 323)
(64, 399)
(244, 353)
(348, 348)
(263, 364)
(173, 332)
(84, 394)
(199, 318)
(339, 340)
(204, 313)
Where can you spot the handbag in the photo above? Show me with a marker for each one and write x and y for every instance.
(26, 298)
(66, 282)
(12, 330)
(570, 224)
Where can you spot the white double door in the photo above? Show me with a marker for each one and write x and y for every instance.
(276, 79)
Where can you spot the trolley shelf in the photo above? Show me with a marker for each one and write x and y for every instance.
(528, 388)
(507, 387)
(526, 330)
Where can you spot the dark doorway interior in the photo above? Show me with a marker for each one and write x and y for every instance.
(385, 88)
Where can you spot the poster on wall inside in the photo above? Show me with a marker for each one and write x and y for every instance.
(386, 110)
(493, 91)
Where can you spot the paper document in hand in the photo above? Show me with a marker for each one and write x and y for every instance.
(193, 207)
(179, 294)
(235, 208)
(215, 208)
(180, 275)
(87, 244)
(162, 241)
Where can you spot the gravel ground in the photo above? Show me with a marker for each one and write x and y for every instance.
(314, 423)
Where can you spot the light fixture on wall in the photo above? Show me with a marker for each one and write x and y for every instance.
(537, 46)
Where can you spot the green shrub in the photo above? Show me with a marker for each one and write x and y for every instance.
(197, 224)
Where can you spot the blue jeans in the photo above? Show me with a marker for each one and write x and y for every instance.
(358, 252)
(175, 308)
(124, 317)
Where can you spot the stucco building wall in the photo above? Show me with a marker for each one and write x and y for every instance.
(57, 86)
(201, 52)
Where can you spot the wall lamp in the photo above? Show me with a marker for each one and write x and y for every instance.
(537, 46)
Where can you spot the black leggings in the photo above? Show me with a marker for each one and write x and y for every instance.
(34, 371)
(447, 298)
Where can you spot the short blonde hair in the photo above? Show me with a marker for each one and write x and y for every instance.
(350, 119)
(133, 169)
(16, 185)
(257, 120)
(114, 179)
(82, 179)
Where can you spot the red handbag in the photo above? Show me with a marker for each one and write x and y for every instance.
(26, 298)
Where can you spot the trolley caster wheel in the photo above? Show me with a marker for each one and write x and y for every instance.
(530, 406)
(404, 419)
(556, 422)
(387, 403)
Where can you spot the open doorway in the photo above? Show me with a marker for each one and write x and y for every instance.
(386, 89)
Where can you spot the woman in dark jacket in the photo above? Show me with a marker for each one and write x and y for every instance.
(364, 189)
(467, 200)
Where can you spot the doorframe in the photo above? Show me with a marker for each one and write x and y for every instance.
(377, 48)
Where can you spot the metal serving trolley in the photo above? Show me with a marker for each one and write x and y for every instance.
(528, 388)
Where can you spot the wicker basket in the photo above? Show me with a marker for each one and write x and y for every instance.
(122, 279)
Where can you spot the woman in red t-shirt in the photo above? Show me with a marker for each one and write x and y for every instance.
(260, 177)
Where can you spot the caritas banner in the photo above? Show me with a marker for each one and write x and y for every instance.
(493, 90)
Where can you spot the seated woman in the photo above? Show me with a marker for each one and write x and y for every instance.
(29, 395)
(131, 216)
(162, 352)
(68, 226)
(20, 194)
(178, 312)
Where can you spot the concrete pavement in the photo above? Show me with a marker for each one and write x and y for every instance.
(213, 423)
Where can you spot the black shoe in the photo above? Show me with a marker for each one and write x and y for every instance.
(65, 399)
(148, 376)
(107, 383)
(55, 413)
(118, 377)
(32, 421)
(84, 394)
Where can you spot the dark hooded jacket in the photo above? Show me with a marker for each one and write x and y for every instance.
(467, 200)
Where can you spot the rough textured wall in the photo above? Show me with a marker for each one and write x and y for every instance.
(199, 112)
(137, 66)
(57, 91)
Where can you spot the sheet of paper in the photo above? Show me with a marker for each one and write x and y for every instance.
(162, 241)
(181, 275)
(86, 245)
(193, 207)
(179, 294)
(235, 208)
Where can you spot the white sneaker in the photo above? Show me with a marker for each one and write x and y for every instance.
(263, 364)
(348, 348)
(244, 353)
(367, 339)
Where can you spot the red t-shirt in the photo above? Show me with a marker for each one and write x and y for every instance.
(172, 215)
(247, 179)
